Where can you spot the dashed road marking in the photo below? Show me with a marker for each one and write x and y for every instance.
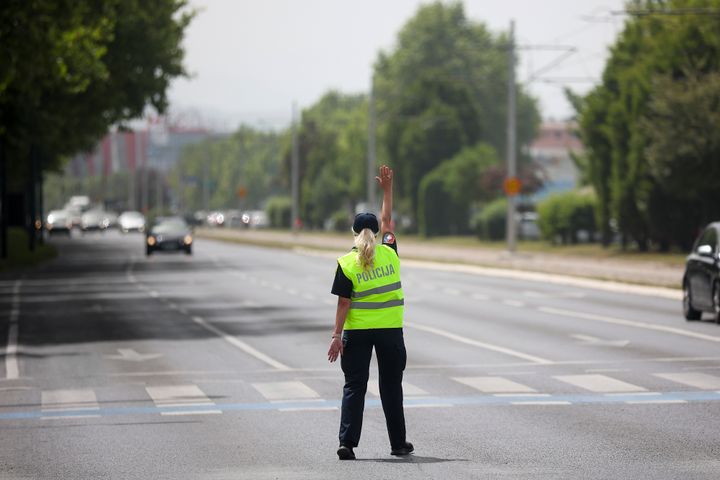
(12, 368)
(494, 385)
(599, 383)
(168, 398)
(702, 381)
(274, 391)
(79, 402)
(476, 343)
(241, 345)
(630, 323)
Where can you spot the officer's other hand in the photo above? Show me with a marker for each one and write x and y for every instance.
(336, 349)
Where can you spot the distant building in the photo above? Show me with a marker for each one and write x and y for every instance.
(551, 150)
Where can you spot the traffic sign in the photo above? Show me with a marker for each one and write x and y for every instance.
(512, 186)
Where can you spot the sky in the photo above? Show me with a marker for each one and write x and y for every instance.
(250, 60)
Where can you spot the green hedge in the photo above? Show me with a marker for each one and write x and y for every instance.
(489, 223)
(279, 211)
(18, 253)
(563, 215)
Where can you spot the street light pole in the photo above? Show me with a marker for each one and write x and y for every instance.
(371, 159)
(295, 173)
(510, 230)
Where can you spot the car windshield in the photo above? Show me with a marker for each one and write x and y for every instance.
(170, 226)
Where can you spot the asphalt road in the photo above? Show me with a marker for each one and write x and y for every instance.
(214, 366)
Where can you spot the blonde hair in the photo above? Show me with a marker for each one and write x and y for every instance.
(365, 243)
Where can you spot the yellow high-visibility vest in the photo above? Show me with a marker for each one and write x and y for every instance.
(377, 296)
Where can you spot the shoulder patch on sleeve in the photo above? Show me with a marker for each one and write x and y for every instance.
(389, 238)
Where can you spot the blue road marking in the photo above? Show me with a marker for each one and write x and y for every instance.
(489, 400)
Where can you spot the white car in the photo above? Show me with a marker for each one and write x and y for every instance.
(58, 221)
(131, 222)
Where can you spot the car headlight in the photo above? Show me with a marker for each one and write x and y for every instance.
(187, 240)
(151, 241)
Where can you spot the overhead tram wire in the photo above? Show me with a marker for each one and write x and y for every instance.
(644, 12)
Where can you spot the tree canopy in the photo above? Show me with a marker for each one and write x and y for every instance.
(651, 127)
(69, 70)
(441, 89)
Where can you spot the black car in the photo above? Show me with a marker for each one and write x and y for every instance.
(168, 234)
(701, 282)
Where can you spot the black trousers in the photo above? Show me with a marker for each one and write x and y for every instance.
(391, 358)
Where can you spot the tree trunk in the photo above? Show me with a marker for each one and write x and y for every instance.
(3, 202)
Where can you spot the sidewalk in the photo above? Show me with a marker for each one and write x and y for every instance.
(639, 272)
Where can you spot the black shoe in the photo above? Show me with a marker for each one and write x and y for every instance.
(406, 449)
(345, 453)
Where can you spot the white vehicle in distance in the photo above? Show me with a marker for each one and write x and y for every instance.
(256, 219)
(58, 221)
(94, 220)
(131, 221)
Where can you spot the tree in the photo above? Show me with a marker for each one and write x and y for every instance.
(443, 88)
(69, 70)
(636, 125)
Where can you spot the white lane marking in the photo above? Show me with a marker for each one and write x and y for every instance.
(68, 400)
(308, 409)
(703, 381)
(241, 345)
(494, 385)
(663, 292)
(541, 402)
(599, 383)
(630, 323)
(513, 303)
(599, 342)
(655, 402)
(451, 291)
(606, 370)
(285, 391)
(520, 395)
(480, 296)
(429, 405)
(329, 302)
(633, 394)
(308, 296)
(291, 291)
(170, 396)
(476, 343)
(12, 369)
(409, 390)
(153, 294)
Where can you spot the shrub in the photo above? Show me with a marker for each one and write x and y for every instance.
(490, 222)
(279, 211)
(340, 221)
(563, 215)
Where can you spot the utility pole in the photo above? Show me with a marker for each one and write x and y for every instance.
(371, 160)
(510, 229)
(145, 175)
(295, 173)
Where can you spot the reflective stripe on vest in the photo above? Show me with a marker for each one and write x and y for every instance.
(377, 297)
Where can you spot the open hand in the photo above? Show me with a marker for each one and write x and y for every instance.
(336, 349)
(385, 178)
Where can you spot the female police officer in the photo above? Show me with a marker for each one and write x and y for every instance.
(370, 314)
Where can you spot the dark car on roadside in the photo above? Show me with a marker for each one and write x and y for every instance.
(169, 234)
(701, 281)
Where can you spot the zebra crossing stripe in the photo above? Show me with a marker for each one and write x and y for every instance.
(276, 391)
(599, 383)
(409, 390)
(494, 385)
(79, 402)
(703, 381)
(174, 400)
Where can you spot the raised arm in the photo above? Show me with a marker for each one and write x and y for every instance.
(385, 180)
